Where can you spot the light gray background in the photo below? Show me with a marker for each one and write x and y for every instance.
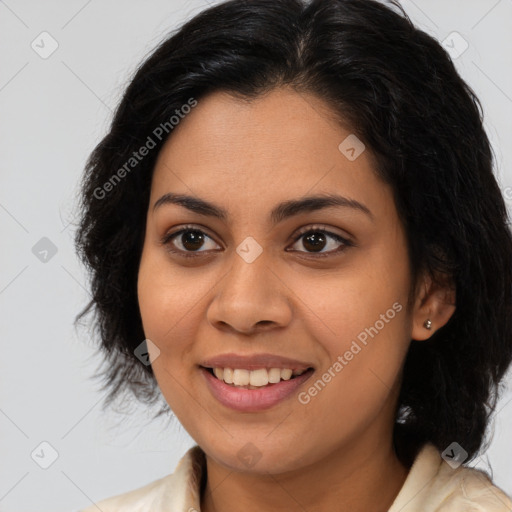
(53, 112)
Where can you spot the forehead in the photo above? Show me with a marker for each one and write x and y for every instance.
(282, 144)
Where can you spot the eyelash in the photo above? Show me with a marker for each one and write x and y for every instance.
(167, 238)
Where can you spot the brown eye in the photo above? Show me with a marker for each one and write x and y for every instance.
(190, 239)
(314, 240)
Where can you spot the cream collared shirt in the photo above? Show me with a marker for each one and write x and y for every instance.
(431, 486)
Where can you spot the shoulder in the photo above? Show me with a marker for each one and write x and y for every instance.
(142, 498)
(469, 489)
(172, 492)
(433, 485)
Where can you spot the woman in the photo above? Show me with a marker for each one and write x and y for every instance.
(295, 236)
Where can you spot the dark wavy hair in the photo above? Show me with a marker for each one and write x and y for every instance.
(398, 90)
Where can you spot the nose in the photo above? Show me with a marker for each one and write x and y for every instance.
(250, 298)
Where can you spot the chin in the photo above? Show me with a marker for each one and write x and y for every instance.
(249, 457)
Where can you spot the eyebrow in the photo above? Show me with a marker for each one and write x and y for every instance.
(282, 211)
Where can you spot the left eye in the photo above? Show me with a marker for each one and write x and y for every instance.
(316, 239)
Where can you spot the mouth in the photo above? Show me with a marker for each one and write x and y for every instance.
(255, 379)
(243, 396)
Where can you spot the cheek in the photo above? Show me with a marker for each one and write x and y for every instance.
(344, 305)
(171, 302)
(365, 340)
(163, 307)
(165, 294)
(161, 303)
(365, 325)
(361, 317)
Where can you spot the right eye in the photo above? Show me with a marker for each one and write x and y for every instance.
(190, 238)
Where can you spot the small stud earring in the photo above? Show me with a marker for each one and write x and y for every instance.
(428, 324)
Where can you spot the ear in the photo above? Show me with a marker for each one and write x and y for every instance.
(434, 302)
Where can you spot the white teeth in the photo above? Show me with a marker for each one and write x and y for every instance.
(255, 378)
(228, 375)
(258, 377)
(240, 377)
(274, 375)
(286, 374)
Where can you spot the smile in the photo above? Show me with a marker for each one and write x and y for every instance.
(256, 378)
(251, 398)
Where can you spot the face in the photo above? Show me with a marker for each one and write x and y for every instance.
(326, 286)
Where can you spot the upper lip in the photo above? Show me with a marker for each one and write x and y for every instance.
(254, 362)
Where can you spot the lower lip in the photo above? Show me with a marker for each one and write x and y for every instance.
(253, 400)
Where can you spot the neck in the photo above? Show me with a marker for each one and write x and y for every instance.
(357, 477)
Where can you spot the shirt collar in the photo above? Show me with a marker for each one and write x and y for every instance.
(188, 477)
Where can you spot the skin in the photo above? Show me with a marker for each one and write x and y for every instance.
(335, 452)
